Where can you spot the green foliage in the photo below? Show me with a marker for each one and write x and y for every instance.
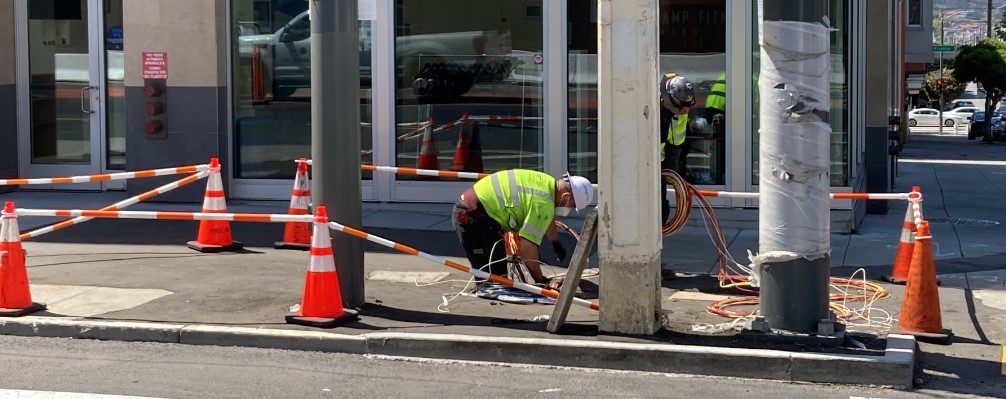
(984, 63)
(952, 88)
(1000, 27)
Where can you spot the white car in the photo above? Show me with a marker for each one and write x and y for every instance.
(964, 113)
(931, 117)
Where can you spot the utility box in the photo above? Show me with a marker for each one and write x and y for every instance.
(155, 121)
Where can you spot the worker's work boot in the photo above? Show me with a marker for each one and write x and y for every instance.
(667, 274)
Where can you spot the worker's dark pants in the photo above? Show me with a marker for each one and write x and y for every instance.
(478, 234)
(672, 160)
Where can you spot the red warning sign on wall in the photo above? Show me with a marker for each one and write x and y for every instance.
(155, 65)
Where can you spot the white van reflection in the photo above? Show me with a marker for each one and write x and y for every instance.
(286, 54)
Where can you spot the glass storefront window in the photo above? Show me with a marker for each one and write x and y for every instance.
(115, 87)
(271, 45)
(839, 115)
(477, 62)
(692, 44)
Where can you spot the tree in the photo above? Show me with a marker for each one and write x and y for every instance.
(952, 88)
(1000, 28)
(984, 63)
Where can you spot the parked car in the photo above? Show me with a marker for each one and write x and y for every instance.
(962, 113)
(998, 125)
(930, 117)
(958, 104)
(977, 126)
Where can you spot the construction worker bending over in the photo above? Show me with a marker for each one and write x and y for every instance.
(520, 201)
(676, 97)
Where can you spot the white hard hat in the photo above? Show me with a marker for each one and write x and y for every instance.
(583, 191)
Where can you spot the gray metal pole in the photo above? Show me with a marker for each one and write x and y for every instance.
(794, 165)
(335, 133)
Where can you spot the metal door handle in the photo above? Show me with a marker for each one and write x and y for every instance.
(84, 99)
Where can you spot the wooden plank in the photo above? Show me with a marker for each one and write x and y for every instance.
(576, 266)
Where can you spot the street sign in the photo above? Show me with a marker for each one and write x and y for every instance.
(939, 48)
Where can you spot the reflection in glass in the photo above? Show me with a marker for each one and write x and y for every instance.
(272, 87)
(692, 44)
(838, 15)
(473, 70)
(59, 79)
(114, 86)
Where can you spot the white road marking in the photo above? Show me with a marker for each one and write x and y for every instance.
(953, 162)
(23, 394)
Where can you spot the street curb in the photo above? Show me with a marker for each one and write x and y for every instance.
(894, 369)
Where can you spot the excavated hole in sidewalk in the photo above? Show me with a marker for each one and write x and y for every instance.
(965, 221)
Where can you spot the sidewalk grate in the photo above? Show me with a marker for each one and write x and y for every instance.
(965, 221)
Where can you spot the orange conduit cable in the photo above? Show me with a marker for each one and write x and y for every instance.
(118, 205)
(107, 176)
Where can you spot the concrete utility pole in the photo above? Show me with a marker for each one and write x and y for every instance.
(629, 237)
(794, 179)
(335, 133)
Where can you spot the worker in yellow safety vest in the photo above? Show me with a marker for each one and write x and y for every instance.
(519, 201)
(676, 97)
(716, 108)
(716, 100)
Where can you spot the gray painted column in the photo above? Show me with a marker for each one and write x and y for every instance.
(629, 237)
(195, 38)
(8, 98)
(335, 133)
(878, 84)
(794, 165)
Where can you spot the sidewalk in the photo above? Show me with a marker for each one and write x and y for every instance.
(140, 271)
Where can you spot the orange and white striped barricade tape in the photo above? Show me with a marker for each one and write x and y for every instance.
(424, 172)
(416, 171)
(167, 215)
(848, 196)
(457, 266)
(117, 206)
(285, 218)
(107, 176)
(504, 120)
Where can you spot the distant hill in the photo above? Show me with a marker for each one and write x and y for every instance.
(965, 4)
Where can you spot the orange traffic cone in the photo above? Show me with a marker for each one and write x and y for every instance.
(297, 235)
(462, 149)
(321, 303)
(468, 154)
(15, 295)
(906, 246)
(214, 235)
(474, 161)
(920, 306)
(428, 154)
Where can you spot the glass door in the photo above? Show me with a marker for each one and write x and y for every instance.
(61, 88)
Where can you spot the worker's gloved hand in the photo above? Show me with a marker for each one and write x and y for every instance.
(559, 250)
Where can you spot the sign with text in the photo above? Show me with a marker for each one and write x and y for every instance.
(155, 65)
(939, 48)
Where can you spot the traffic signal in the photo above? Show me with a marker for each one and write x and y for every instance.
(939, 86)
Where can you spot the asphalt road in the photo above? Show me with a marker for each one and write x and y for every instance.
(48, 365)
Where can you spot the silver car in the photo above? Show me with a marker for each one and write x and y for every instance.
(931, 117)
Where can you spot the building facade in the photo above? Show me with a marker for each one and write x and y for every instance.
(521, 76)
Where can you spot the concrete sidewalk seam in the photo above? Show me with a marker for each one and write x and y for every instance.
(894, 369)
